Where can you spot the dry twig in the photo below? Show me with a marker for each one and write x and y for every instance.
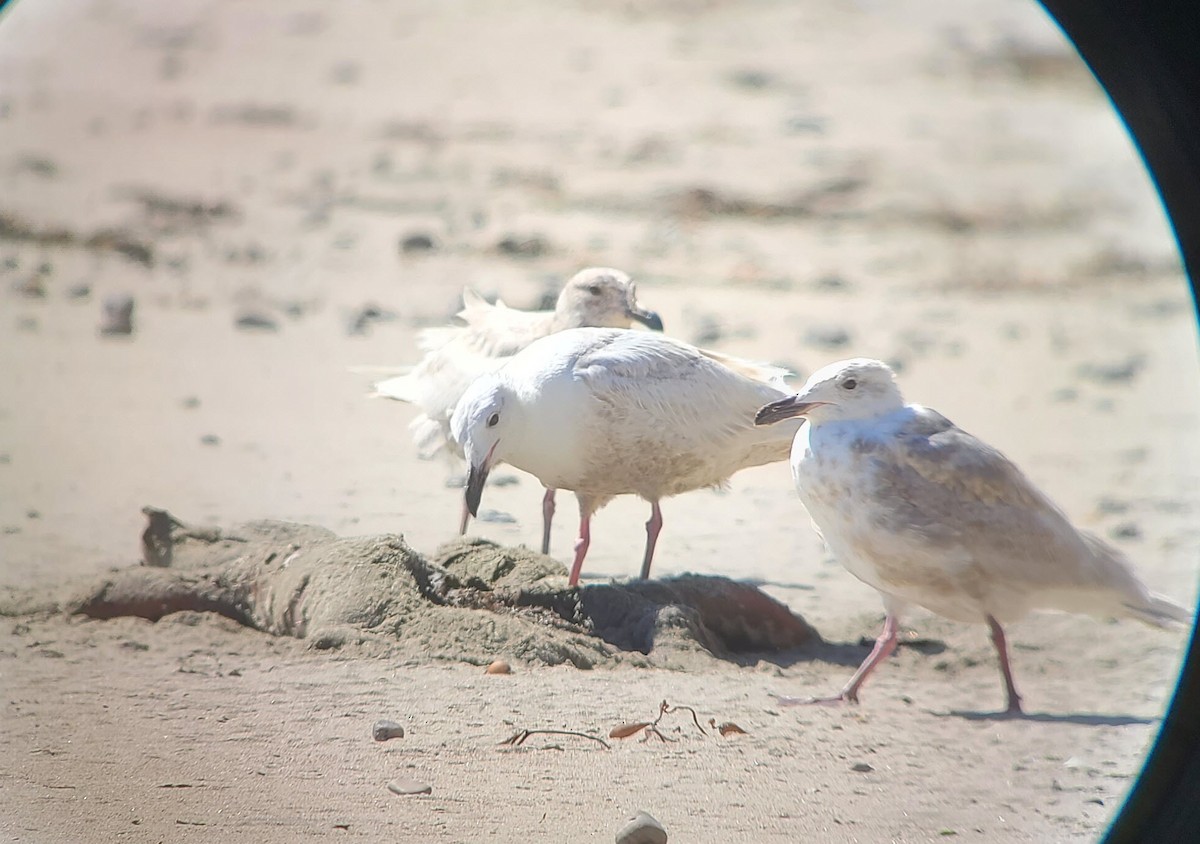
(518, 738)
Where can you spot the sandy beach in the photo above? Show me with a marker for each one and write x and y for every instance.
(289, 192)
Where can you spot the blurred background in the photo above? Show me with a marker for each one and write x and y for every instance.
(283, 190)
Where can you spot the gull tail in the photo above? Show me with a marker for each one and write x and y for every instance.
(400, 388)
(1158, 611)
(765, 373)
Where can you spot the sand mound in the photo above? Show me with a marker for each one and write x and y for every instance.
(472, 601)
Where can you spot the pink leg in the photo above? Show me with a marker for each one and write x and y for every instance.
(547, 517)
(466, 517)
(1014, 699)
(884, 645)
(581, 547)
(653, 526)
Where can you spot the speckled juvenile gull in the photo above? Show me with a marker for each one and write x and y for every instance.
(605, 412)
(929, 515)
(490, 334)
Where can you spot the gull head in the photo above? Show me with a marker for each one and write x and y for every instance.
(600, 297)
(859, 388)
(481, 420)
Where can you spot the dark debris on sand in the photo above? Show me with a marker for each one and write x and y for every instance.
(471, 599)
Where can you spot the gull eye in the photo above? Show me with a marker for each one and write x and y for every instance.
(849, 384)
(493, 420)
(594, 289)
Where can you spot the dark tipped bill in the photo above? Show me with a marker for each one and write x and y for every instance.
(647, 318)
(782, 409)
(473, 492)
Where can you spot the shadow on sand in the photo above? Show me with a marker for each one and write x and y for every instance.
(1081, 718)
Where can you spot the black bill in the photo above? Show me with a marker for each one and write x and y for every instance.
(473, 491)
(787, 408)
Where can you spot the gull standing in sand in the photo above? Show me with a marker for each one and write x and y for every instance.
(929, 515)
(456, 355)
(606, 412)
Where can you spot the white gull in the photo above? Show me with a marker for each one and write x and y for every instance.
(606, 412)
(490, 334)
(929, 515)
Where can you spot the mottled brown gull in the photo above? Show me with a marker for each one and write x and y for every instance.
(929, 515)
(490, 334)
(605, 412)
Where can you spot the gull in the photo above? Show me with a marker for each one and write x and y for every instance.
(929, 515)
(490, 334)
(606, 412)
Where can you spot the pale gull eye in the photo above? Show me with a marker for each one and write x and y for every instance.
(849, 384)
(493, 420)
(594, 289)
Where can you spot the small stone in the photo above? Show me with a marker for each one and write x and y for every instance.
(79, 291)
(385, 730)
(1112, 372)
(366, 316)
(523, 247)
(496, 517)
(210, 439)
(641, 828)
(33, 287)
(498, 666)
(118, 314)
(256, 321)
(752, 80)
(827, 337)
(805, 124)
(1126, 530)
(407, 786)
(417, 242)
(861, 767)
(708, 331)
(190, 403)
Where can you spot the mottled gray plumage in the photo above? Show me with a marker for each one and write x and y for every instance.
(929, 515)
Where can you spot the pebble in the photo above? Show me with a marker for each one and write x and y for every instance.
(418, 242)
(753, 80)
(861, 767)
(33, 287)
(827, 337)
(498, 666)
(254, 320)
(366, 316)
(384, 730)
(118, 314)
(523, 247)
(407, 786)
(1112, 372)
(832, 281)
(1126, 530)
(641, 828)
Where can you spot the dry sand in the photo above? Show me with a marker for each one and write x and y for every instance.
(946, 189)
